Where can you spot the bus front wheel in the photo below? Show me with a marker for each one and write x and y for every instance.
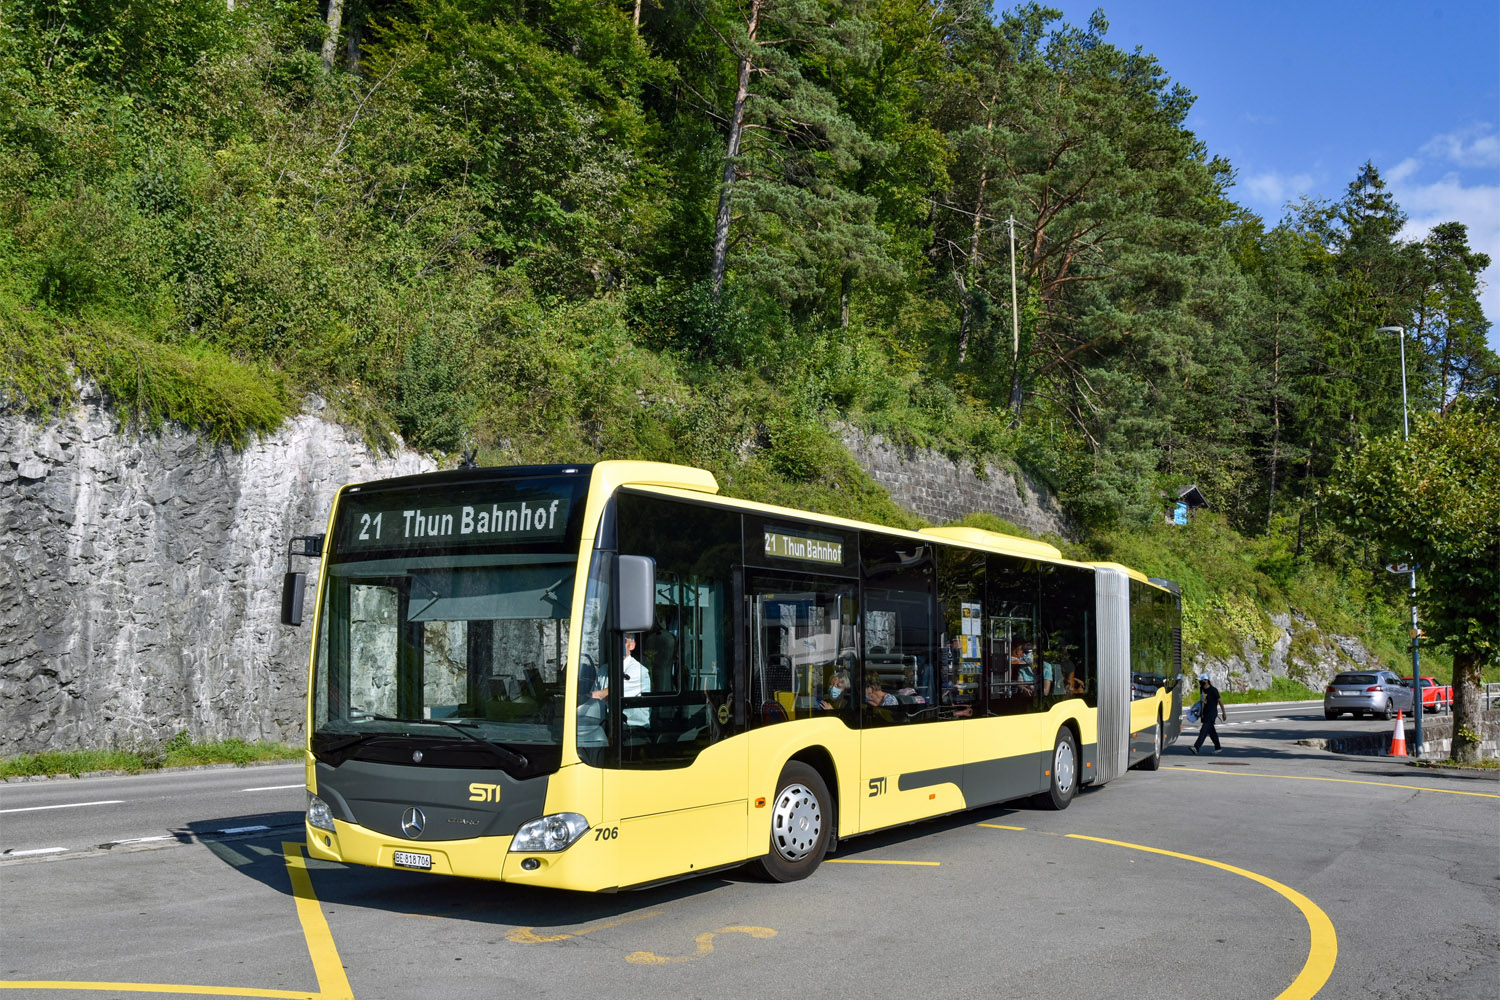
(801, 822)
(1064, 770)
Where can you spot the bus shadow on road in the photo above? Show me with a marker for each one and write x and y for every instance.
(260, 855)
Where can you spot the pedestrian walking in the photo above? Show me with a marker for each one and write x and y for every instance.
(1209, 706)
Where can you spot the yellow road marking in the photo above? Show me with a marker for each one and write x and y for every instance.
(1000, 826)
(862, 861)
(705, 944)
(333, 984)
(1345, 781)
(1323, 943)
(525, 935)
(212, 991)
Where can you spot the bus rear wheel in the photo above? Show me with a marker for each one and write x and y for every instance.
(1064, 771)
(801, 823)
(1153, 762)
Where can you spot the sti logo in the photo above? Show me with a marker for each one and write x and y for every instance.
(479, 792)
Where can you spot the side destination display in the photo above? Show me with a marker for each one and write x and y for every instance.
(787, 546)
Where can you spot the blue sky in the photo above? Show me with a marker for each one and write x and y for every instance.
(1297, 96)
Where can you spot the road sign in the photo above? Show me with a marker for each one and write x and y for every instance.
(1401, 567)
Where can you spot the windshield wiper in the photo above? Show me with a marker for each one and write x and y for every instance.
(510, 756)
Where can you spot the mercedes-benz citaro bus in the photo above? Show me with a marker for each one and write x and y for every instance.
(605, 676)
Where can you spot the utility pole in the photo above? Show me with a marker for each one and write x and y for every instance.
(1416, 672)
(1015, 315)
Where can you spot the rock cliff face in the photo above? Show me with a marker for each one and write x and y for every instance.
(940, 489)
(140, 577)
(1300, 651)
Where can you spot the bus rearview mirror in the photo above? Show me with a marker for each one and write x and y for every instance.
(635, 593)
(292, 587)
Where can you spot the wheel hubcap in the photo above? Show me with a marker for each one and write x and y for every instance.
(796, 822)
(1062, 768)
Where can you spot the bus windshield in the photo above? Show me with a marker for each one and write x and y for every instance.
(410, 647)
(446, 641)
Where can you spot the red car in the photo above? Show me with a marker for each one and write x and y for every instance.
(1435, 697)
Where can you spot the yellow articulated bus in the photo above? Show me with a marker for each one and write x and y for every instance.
(603, 677)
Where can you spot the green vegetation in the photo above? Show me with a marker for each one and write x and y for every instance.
(1488, 765)
(1282, 689)
(553, 232)
(178, 751)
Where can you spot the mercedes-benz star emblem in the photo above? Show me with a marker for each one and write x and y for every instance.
(412, 822)
(416, 756)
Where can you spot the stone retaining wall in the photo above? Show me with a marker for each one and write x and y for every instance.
(932, 485)
(140, 577)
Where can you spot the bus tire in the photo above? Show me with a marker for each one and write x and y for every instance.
(1153, 762)
(1064, 769)
(801, 824)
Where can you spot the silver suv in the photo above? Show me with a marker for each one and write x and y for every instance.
(1378, 692)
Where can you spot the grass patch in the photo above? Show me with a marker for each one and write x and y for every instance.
(148, 381)
(176, 752)
(1281, 689)
(1453, 765)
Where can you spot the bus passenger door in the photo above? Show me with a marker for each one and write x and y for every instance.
(677, 801)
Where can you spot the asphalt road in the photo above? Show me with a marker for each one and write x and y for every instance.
(1270, 870)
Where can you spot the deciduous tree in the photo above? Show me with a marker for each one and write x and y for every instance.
(1435, 500)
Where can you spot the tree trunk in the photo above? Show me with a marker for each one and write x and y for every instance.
(736, 129)
(331, 40)
(356, 36)
(1275, 423)
(974, 231)
(1468, 708)
(846, 285)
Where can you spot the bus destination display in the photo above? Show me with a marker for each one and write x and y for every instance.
(386, 525)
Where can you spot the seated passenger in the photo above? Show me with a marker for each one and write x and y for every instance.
(908, 688)
(875, 695)
(837, 694)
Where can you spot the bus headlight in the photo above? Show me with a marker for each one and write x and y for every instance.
(318, 813)
(550, 833)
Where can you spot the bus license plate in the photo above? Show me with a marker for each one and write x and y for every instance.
(405, 859)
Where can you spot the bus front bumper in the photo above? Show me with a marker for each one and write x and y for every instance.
(584, 866)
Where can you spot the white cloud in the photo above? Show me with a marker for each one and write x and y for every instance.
(1273, 189)
(1404, 170)
(1477, 207)
(1475, 146)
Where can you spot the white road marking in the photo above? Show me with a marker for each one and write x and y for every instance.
(66, 805)
(274, 788)
(143, 840)
(38, 850)
(244, 829)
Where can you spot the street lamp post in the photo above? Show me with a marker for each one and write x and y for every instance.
(1416, 673)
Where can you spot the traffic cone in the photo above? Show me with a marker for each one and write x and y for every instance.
(1398, 739)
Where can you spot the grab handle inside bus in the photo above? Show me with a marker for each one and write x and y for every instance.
(635, 593)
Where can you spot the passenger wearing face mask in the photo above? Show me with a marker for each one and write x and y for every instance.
(836, 694)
